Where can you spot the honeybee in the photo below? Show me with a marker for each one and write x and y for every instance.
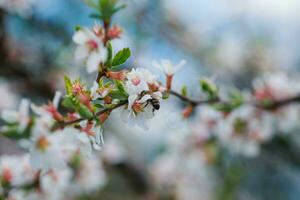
(153, 101)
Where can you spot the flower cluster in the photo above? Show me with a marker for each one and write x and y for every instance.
(19, 181)
(54, 137)
(218, 130)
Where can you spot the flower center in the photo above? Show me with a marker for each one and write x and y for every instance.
(137, 107)
(43, 143)
(135, 81)
(92, 44)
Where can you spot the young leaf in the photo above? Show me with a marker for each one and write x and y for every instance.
(106, 8)
(209, 88)
(73, 104)
(184, 91)
(120, 87)
(110, 51)
(116, 94)
(68, 84)
(121, 57)
(118, 8)
(84, 112)
(109, 55)
(69, 102)
(77, 28)
(13, 132)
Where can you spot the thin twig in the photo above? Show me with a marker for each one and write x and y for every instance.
(193, 101)
(271, 106)
(68, 123)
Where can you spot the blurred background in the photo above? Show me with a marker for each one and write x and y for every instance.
(233, 40)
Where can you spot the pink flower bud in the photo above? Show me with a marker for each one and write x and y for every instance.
(186, 113)
(114, 32)
(120, 75)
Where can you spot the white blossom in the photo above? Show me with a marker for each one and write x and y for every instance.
(90, 177)
(16, 170)
(139, 111)
(21, 116)
(244, 130)
(93, 133)
(46, 149)
(47, 113)
(167, 67)
(90, 49)
(276, 87)
(137, 81)
(54, 184)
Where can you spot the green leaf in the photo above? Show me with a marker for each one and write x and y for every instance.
(116, 94)
(109, 55)
(118, 8)
(120, 87)
(84, 112)
(12, 132)
(72, 103)
(236, 99)
(184, 91)
(121, 57)
(69, 102)
(209, 88)
(106, 8)
(77, 28)
(68, 85)
(110, 51)
(166, 95)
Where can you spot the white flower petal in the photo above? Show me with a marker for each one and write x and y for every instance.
(142, 122)
(125, 114)
(81, 53)
(24, 107)
(81, 37)
(56, 99)
(10, 116)
(93, 62)
(131, 100)
(180, 65)
(102, 53)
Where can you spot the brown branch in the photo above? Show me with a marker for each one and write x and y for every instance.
(280, 103)
(271, 106)
(68, 123)
(193, 101)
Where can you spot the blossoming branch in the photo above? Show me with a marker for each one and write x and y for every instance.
(59, 144)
